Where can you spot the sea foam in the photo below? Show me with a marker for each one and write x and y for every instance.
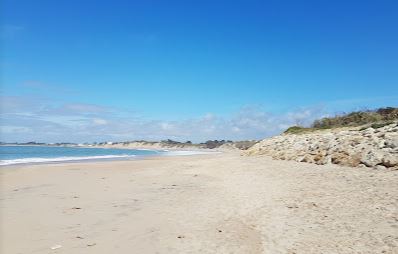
(60, 159)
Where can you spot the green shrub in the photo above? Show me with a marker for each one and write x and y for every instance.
(378, 118)
(296, 129)
(380, 125)
(357, 118)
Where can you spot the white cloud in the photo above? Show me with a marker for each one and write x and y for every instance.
(45, 121)
(99, 121)
(166, 126)
(13, 129)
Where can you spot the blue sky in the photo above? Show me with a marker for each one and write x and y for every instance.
(116, 70)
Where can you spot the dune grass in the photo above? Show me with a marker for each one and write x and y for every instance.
(376, 118)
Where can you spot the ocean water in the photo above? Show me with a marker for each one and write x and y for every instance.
(10, 155)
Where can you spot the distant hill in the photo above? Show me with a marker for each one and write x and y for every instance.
(172, 144)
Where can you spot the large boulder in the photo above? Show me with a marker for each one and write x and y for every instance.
(345, 159)
(390, 160)
(391, 141)
(372, 158)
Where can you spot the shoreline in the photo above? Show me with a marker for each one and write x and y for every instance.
(78, 159)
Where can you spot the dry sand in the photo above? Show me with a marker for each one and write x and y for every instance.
(221, 203)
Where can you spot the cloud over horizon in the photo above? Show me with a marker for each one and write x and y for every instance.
(27, 119)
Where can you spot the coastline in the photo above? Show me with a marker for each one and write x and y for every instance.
(219, 203)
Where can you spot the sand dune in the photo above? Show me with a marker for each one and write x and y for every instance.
(219, 203)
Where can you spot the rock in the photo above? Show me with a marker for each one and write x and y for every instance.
(380, 167)
(305, 158)
(343, 158)
(390, 160)
(320, 159)
(391, 142)
(338, 156)
(372, 158)
(356, 148)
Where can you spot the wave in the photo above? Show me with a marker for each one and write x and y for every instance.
(58, 159)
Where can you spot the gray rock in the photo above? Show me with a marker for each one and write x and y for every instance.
(391, 141)
(380, 167)
(390, 160)
(372, 158)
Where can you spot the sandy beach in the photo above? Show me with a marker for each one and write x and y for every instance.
(218, 203)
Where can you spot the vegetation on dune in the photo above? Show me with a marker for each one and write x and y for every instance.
(358, 118)
(380, 125)
(377, 118)
(297, 129)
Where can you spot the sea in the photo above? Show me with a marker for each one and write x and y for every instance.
(11, 155)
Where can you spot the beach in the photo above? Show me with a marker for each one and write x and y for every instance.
(212, 203)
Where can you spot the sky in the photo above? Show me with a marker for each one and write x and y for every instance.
(85, 71)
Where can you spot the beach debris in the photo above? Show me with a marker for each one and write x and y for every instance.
(79, 237)
(219, 230)
(169, 188)
(76, 208)
(180, 236)
(58, 246)
(91, 244)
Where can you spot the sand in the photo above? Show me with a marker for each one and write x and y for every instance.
(219, 203)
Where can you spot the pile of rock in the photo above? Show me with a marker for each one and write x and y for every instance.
(360, 147)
